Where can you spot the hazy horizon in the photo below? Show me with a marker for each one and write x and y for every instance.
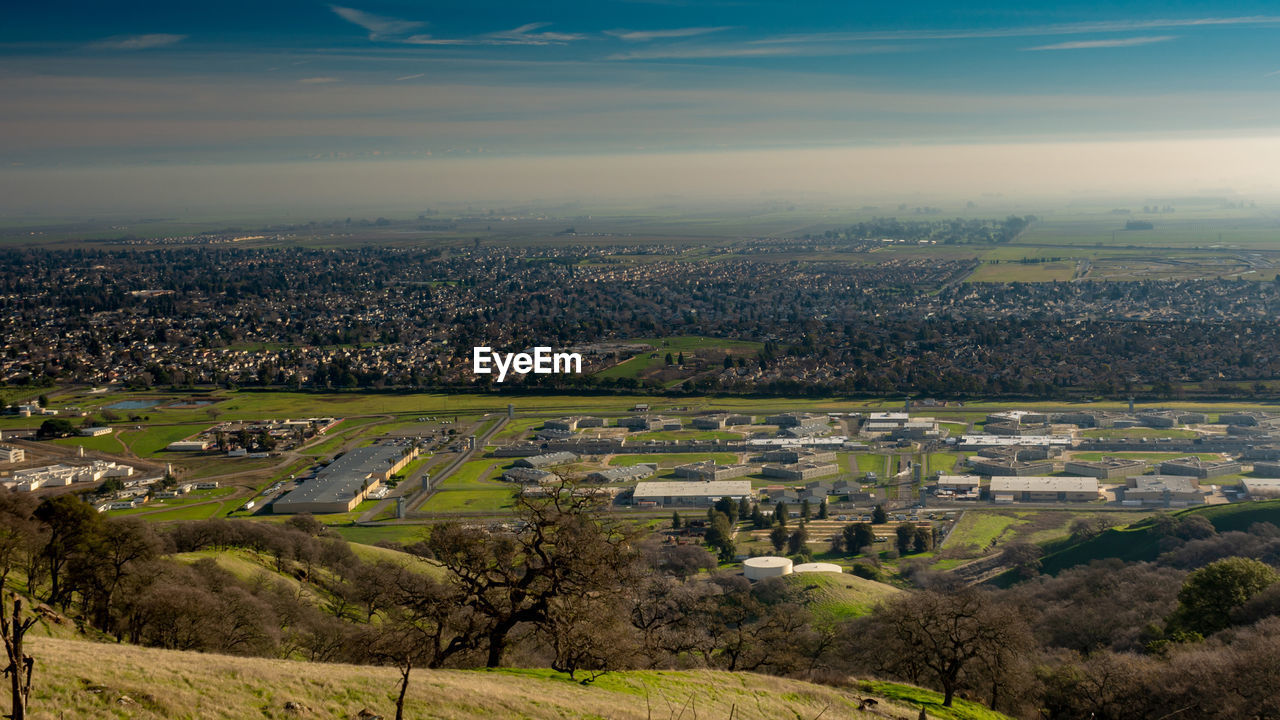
(153, 107)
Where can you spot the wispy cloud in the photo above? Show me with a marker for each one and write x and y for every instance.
(411, 77)
(748, 50)
(379, 27)
(1108, 43)
(523, 35)
(319, 80)
(649, 35)
(139, 42)
(1025, 31)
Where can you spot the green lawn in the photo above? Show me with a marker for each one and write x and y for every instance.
(642, 363)
(980, 528)
(103, 443)
(153, 439)
(493, 501)
(373, 534)
(1149, 433)
(477, 475)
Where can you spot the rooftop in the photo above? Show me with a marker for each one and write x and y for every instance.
(1043, 483)
(344, 477)
(713, 488)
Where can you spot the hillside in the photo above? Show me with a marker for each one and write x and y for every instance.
(76, 679)
(1140, 542)
(841, 596)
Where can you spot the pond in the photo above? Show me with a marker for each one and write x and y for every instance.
(132, 404)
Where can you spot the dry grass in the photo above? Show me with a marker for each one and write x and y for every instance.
(77, 679)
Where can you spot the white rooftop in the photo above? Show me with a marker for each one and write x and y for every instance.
(713, 488)
(1043, 483)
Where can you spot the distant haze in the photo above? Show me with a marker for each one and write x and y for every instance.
(1016, 171)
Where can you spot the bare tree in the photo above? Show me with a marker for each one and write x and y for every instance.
(14, 627)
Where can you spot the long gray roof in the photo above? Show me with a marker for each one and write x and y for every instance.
(344, 477)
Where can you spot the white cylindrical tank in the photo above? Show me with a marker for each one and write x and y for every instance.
(817, 567)
(759, 568)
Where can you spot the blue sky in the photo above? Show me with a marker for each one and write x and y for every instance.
(92, 84)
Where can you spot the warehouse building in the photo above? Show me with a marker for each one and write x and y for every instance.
(800, 471)
(526, 476)
(1106, 468)
(1044, 489)
(1261, 488)
(788, 456)
(1004, 467)
(546, 460)
(1162, 490)
(1193, 466)
(1267, 468)
(345, 482)
(710, 471)
(689, 494)
(710, 422)
(625, 473)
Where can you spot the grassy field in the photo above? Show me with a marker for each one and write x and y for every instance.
(79, 680)
(1003, 272)
(486, 501)
(642, 364)
(839, 597)
(372, 534)
(103, 443)
(152, 439)
(1149, 433)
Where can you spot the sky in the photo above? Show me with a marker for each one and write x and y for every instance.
(129, 104)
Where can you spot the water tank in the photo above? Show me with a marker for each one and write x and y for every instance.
(817, 568)
(759, 568)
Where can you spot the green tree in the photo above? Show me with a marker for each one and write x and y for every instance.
(805, 509)
(778, 537)
(727, 507)
(906, 534)
(822, 510)
(744, 508)
(922, 540)
(878, 515)
(675, 520)
(857, 536)
(55, 428)
(780, 514)
(798, 541)
(670, 360)
(758, 520)
(1210, 594)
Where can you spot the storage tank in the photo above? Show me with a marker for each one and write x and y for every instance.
(759, 568)
(817, 568)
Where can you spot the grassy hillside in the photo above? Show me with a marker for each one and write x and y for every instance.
(841, 596)
(90, 680)
(1139, 542)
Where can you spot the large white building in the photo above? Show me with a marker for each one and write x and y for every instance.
(1048, 488)
(12, 454)
(686, 493)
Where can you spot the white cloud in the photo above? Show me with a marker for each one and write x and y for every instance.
(139, 42)
(379, 27)
(1108, 43)
(648, 35)
(411, 77)
(707, 52)
(523, 35)
(1026, 31)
